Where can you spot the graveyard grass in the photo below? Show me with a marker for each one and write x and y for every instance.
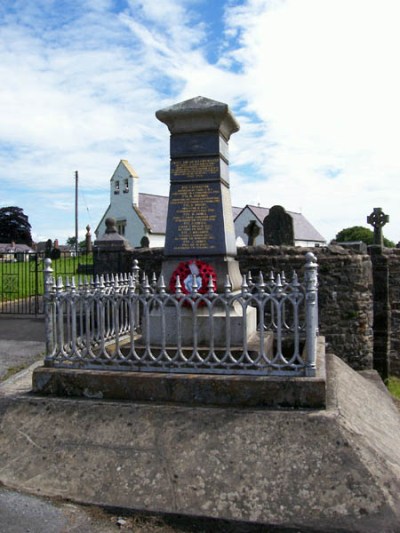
(393, 385)
(25, 279)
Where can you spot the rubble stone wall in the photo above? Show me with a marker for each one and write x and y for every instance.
(393, 256)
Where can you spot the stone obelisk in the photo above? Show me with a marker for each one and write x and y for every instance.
(200, 221)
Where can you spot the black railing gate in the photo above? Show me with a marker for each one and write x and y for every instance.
(21, 279)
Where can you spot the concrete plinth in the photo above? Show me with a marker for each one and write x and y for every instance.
(331, 470)
(199, 323)
(243, 391)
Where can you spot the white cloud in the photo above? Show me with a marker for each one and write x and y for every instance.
(314, 84)
(322, 77)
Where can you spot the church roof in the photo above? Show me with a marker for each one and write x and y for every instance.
(154, 209)
(129, 168)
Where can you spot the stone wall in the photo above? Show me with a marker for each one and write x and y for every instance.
(393, 257)
(345, 291)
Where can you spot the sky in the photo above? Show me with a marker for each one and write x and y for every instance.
(314, 84)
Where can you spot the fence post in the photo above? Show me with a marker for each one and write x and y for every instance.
(48, 307)
(311, 283)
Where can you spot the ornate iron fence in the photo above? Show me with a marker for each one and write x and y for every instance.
(122, 322)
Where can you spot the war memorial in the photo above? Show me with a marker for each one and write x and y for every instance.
(203, 392)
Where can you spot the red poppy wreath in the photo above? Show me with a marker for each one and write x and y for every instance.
(186, 270)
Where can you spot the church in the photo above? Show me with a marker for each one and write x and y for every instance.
(141, 218)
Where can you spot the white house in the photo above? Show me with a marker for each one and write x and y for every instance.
(304, 233)
(140, 215)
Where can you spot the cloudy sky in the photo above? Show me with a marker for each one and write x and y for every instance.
(315, 85)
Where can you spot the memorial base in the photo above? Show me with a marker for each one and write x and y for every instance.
(187, 329)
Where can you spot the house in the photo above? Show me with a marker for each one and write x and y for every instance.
(10, 251)
(141, 218)
(304, 233)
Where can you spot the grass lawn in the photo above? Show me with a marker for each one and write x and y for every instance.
(393, 385)
(25, 278)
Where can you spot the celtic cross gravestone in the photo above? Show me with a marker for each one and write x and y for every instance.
(378, 219)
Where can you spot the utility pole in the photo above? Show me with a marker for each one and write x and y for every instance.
(76, 213)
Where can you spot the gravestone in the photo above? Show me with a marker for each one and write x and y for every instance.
(278, 227)
(252, 231)
(378, 219)
(112, 252)
(144, 242)
(382, 310)
(200, 219)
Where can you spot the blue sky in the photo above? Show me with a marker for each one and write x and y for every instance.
(315, 85)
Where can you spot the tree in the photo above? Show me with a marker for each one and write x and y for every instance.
(14, 226)
(360, 233)
(71, 241)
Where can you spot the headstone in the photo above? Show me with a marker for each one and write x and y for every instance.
(252, 230)
(55, 252)
(200, 219)
(278, 227)
(378, 219)
(112, 252)
(48, 248)
(144, 242)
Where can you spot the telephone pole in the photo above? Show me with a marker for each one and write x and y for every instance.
(76, 213)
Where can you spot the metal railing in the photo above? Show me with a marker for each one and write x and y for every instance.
(122, 322)
(21, 279)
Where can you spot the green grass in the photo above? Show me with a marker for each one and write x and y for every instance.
(24, 279)
(393, 385)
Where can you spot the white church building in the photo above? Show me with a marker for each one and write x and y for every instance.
(142, 218)
(137, 215)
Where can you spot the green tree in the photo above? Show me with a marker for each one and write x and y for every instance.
(14, 226)
(72, 240)
(360, 233)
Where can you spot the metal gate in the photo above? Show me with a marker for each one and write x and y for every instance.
(21, 279)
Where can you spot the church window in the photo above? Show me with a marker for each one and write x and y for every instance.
(116, 189)
(126, 185)
(121, 226)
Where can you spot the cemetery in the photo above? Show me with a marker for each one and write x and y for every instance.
(241, 386)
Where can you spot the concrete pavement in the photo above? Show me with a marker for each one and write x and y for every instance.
(22, 342)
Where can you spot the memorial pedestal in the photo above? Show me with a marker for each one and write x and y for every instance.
(200, 219)
(168, 328)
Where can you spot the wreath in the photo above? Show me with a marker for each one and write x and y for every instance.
(186, 270)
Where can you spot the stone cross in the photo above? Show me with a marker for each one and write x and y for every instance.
(252, 230)
(378, 219)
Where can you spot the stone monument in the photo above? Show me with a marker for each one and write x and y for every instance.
(252, 231)
(378, 219)
(278, 227)
(200, 225)
(88, 240)
(112, 252)
(382, 309)
(200, 219)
